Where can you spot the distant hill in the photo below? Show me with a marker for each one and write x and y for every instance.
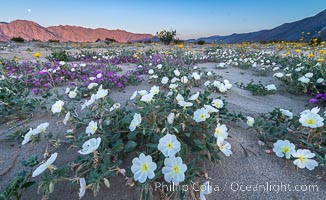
(30, 30)
(287, 32)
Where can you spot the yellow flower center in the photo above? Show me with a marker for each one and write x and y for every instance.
(202, 116)
(217, 104)
(169, 145)
(176, 169)
(217, 131)
(144, 167)
(310, 121)
(285, 149)
(301, 158)
(94, 128)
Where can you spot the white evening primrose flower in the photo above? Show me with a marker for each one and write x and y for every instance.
(303, 159)
(304, 79)
(196, 76)
(185, 104)
(270, 87)
(175, 79)
(184, 79)
(143, 167)
(57, 107)
(217, 103)
(42, 127)
(278, 75)
(225, 147)
(217, 83)
(309, 75)
(155, 90)
(201, 115)
(91, 128)
(151, 71)
(134, 95)
(169, 145)
(284, 148)
(29, 134)
(174, 170)
(287, 113)
(227, 84)
(147, 98)
(101, 93)
(207, 83)
(67, 90)
(311, 120)
(209, 73)
(62, 63)
(173, 86)
(82, 187)
(320, 80)
(99, 75)
(65, 120)
(250, 121)
(194, 97)
(159, 66)
(205, 189)
(176, 72)
(72, 94)
(115, 106)
(210, 109)
(165, 80)
(88, 102)
(221, 132)
(179, 97)
(142, 92)
(170, 118)
(222, 88)
(92, 78)
(92, 85)
(135, 122)
(90, 146)
(47, 165)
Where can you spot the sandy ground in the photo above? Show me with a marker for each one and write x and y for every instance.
(249, 164)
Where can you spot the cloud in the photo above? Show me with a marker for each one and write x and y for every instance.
(29, 10)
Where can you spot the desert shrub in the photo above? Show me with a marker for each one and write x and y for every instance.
(60, 55)
(166, 37)
(258, 89)
(109, 41)
(54, 41)
(201, 42)
(18, 39)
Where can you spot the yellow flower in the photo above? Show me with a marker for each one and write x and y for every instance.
(180, 46)
(310, 55)
(320, 60)
(298, 50)
(16, 59)
(37, 54)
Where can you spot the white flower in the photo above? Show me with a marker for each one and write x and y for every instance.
(173, 86)
(90, 146)
(185, 104)
(179, 97)
(135, 122)
(303, 159)
(287, 113)
(82, 187)
(250, 121)
(311, 120)
(142, 92)
(221, 132)
(176, 72)
(72, 94)
(134, 95)
(57, 107)
(314, 110)
(88, 102)
(101, 93)
(147, 97)
(201, 115)
(92, 85)
(169, 145)
(91, 128)
(155, 90)
(159, 66)
(227, 84)
(175, 79)
(184, 79)
(67, 90)
(278, 75)
(143, 167)
(65, 120)
(29, 134)
(309, 75)
(209, 73)
(210, 109)
(205, 189)
(196, 76)
(151, 71)
(222, 88)
(207, 83)
(62, 63)
(217, 83)
(99, 75)
(42, 127)
(225, 147)
(304, 79)
(270, 87)
(194, 97)
(174, 170)
(284, 147)
(165, 80)
(171, 118)
(320, 80)
(46, 165)
(217, 103)
(115, 106)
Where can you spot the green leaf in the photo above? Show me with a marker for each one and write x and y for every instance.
(130, 146)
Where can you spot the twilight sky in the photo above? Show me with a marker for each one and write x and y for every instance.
(191, 18)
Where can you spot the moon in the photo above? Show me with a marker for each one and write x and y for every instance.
(29, 10)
